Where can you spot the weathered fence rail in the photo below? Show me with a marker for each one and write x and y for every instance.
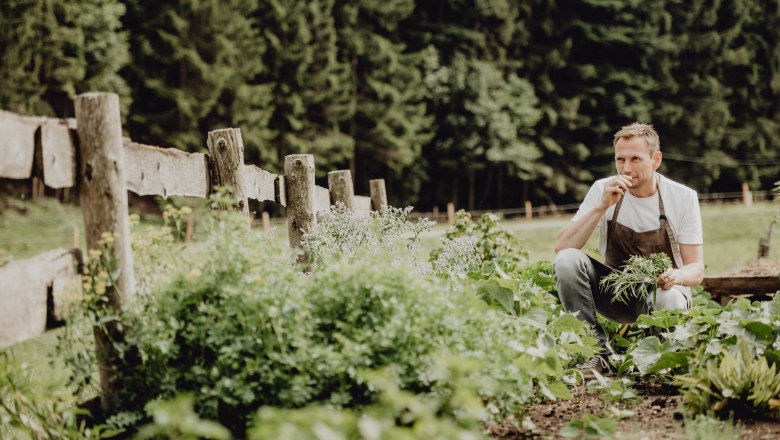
(90, 152)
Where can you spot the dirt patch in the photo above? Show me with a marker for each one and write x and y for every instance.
(658, 415)
(763, 267)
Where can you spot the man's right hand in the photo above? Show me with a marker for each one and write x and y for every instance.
(614, 189)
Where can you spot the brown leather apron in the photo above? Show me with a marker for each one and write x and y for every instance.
(623, 242)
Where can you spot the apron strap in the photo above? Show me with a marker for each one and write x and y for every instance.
(665, 224)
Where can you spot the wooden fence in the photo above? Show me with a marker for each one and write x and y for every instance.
(90, 152)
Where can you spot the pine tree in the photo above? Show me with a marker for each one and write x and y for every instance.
(387, 114)
(302, 93)
(187, 56)
(52, 49)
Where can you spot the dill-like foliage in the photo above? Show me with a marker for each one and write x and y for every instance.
(638, 278)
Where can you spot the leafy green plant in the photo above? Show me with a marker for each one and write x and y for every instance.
(340, 232)
(493, 244)
(738, 384)
(703, 427)
(242, 328)
(638, 278)
(618, 391)
(27, 413)
(590, 426)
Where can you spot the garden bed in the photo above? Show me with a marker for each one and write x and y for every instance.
(658, 415)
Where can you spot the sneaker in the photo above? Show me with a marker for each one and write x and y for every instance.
(596, 364)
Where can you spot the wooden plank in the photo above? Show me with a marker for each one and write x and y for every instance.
(361, 205)
(259, 184)
(24, 287)
(719, 286)
(59, 154)
(321, 198)
(17, 144)
(165, 171)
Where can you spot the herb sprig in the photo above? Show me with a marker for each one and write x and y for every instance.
(637, 278)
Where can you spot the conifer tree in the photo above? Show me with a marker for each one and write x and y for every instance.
(187, 56)
(51, 50)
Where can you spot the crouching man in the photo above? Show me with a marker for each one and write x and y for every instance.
(638, 212)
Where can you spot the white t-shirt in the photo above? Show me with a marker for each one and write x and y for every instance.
(681, 206)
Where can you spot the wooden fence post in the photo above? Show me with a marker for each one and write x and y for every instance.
(378, 194)
(103, 198)
(226, 156)
(747, 195)
(266, 221)
(341, 188)
(299, 176)
(188, 230)
(74, 236)
(450, 213)
(529, 210)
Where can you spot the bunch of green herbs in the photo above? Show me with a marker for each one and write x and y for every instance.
(637, 279)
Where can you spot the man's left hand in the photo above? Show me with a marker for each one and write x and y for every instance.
(668, 279)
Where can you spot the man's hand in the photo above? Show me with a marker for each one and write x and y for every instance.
(615, 188)
(668, 279)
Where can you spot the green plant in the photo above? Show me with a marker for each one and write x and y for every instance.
(589, 426)
(396, 414)
(703, 427)
(737, 384)
(638, 278)
(618, 391)
(25, 413)
(242, 328)
(493, 244)
(340, 232)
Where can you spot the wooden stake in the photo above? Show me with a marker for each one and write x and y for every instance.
(188, 231)
(747, 195)
(450, 213)
(266, 221)
(529, 211)
(103, 199)
(226, 155)
(341, 188)
(74, 237)
(378, 194)
(299, 176)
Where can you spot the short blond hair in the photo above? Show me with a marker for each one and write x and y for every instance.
(638, 129)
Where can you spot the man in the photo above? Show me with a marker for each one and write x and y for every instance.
(638, 212)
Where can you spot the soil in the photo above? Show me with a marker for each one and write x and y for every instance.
(762, 267)
(658, 416)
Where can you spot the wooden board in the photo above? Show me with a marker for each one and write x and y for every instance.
(720, 286)
(59, 154)
(361, 205)
(17, 144)
(24, 286)
(321, 199)
(259, 184)
(165, 171)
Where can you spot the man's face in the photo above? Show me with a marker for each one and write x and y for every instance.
(633, 158)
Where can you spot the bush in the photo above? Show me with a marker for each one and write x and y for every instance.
(244, 328)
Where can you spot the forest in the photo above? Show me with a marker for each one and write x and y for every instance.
(485, 103)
